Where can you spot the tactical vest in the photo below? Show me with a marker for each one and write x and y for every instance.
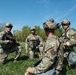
(67, 37)
(33, 41)
(6, 36)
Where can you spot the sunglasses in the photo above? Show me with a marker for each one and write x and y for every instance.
(8, 27)
(33, 30)
(64, 25)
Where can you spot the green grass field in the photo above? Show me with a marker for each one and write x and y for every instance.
(19, 67)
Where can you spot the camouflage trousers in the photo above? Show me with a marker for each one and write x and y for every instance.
(4, 52)
(50, 72)
(33, 53)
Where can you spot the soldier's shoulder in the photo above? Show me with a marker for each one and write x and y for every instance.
(52, 38)
(71, 31)
(2, 32)
(52, 42)
(37, 35)
(29, 36)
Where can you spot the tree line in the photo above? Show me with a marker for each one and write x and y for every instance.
(20, 35)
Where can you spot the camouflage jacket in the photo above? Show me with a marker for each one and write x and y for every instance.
(51, 52)
(69, 37)
(33, 41)
(3, 38)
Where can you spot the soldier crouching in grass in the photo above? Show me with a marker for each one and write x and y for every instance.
(8, 44)
(69, 41)
(51, 63)
(33, 44)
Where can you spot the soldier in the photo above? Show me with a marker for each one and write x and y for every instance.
(33, 44)
(69, 36)
(8, 44)
(51, 63)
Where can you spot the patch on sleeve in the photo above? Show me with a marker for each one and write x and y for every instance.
(74, 36)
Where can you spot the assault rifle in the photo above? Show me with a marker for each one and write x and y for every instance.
(7, 37)
(13, 41)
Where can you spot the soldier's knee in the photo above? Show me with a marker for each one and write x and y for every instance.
(1, 51)
(19, 49)
(31, 54)
(2, 61)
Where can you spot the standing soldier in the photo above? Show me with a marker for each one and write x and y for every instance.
(51, 63)
(33, 44)
(69, 36)
(8, 44)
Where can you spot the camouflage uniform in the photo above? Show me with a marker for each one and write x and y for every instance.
(7, 46)
(34, 43)
(49, 63)
(69, 36)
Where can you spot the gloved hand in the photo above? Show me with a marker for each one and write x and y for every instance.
(8, 41)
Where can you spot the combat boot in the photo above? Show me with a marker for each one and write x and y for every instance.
(15, 60)
(69, 66)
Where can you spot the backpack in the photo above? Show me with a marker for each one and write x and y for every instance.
(72, 58)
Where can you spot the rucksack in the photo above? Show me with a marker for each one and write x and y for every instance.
(72, 58)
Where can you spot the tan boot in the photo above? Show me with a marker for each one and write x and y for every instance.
(15, 60)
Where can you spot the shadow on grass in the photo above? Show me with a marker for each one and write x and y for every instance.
(22, 58)
(64, 70)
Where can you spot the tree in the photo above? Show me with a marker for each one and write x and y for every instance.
(40, 32)
(25, 32)
(58, 32)
(21, 35)
(2, 26)
(17, 35)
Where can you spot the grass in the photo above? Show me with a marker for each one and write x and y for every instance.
(19, 67)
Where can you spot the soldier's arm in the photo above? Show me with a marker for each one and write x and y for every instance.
(49, 56)
(26, 43)
(43, 66)
(4, 42)
(1, 37)
(47, 62)
(60, 59)
(41, 41)
(72, 40)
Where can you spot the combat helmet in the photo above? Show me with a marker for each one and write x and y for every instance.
(66, 21)
(33, 28)
(50, 24)
(9, 25)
